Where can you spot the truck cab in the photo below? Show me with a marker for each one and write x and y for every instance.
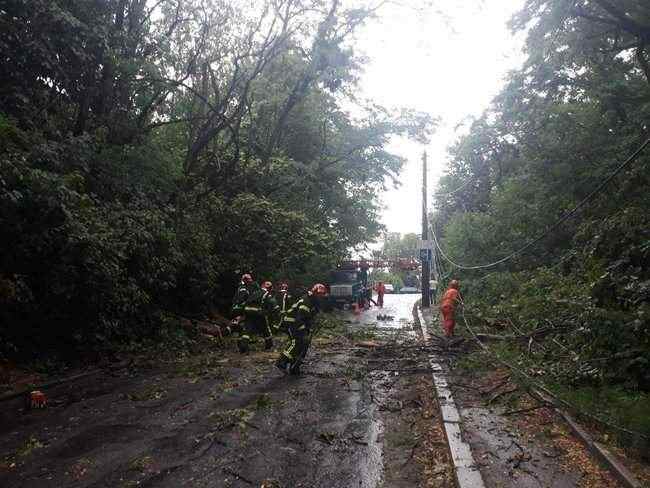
(346, 287)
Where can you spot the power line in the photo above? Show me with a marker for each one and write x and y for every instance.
(540, 386)
(448, 194)
(559, 222)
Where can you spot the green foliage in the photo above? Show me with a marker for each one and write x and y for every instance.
(387, 277)
(397, 246)
(151, 152)
(563, 122)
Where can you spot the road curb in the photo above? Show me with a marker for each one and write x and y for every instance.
(466, 472)
(604, 456)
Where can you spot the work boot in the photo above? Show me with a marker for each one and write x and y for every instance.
(283, 365)
(244, 345)
(294, 369)
(268, 343)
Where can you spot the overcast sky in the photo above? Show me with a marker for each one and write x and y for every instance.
(449, 59)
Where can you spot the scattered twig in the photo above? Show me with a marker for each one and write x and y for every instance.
(250, 424)
(502, 393)
(237, 475)
(463, 385)
(502, 382)
(524, 410)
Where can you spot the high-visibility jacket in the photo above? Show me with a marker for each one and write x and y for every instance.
(450, 298)
(285, 302)
(261, 304)
(242, 295)
(301, 314)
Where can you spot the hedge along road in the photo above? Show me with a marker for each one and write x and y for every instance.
(210, 417)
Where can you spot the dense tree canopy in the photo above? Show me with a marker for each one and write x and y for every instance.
(579, 106)
(151, 150)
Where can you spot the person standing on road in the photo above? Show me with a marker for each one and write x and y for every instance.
(299, 321)
(448, 304)
(259, 308)
(380, 288)
(433, 289)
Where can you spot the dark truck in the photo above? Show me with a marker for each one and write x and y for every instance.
(346, 287)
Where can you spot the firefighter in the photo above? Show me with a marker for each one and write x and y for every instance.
(285, 298)
(244, 290)
(259, 308)
(448, 304)
(285, 302)
(299, 322)
(246, 287)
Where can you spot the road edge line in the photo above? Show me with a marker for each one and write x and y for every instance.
(466, 472)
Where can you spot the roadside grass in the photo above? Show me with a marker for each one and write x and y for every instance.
(627, 409)
(613, 404)
(473, 361)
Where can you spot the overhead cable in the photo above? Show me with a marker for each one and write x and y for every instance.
(448, 194)
(559, 222)
(517, 370)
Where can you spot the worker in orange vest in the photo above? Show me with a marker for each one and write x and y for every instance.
(380, 288)
(448, 304)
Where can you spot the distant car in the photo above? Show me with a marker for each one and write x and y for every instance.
(389, 288)
(409, 289)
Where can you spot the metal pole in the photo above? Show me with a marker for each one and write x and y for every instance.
(426, 264)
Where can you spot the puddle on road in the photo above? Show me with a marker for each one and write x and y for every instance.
(395, 317)
(392, 324)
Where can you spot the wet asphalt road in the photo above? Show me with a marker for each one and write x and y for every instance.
(213, 418)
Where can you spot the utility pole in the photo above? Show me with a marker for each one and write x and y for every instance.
(425, 253)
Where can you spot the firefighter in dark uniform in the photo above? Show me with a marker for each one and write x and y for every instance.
(299, 322)
(259, 309)
(246, 287)
(285, 301)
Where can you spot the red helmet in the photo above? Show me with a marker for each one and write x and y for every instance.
(247, 279)
(284, 287)
(267, 285)
(319, 290)
(454, 284)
